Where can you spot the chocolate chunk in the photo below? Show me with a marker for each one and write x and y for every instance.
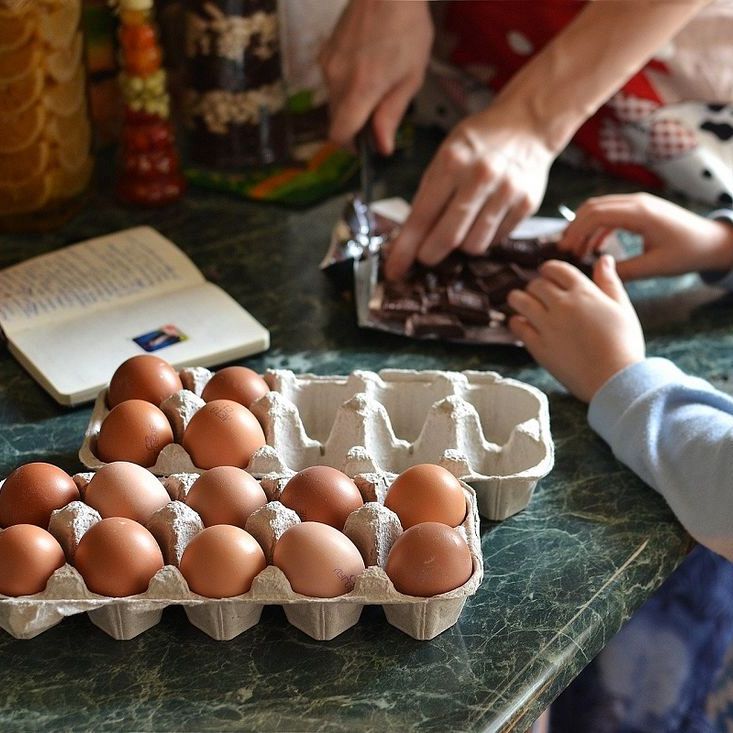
(584, 264)
(400, 300)
(523, 274)
(403, 289)
(470, 306)
(524, 252)
(450, 268)
(550, 251)
(434, 300)
(483, 267)
(500, 285)
(431, 282)
(441, 325)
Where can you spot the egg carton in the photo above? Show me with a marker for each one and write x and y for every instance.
(492, 433)
(373, 528)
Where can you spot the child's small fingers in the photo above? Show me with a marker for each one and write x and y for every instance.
(561, 273)
(602, 213)
(546, 291)
(523, 330)
(640, 267)
(526, 305)
(595, 242)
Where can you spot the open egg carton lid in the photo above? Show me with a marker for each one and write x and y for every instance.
(491, 432)
(372, 528)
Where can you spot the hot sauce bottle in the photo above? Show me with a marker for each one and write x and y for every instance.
(149, 172)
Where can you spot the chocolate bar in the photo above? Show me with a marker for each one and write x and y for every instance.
(463, 295)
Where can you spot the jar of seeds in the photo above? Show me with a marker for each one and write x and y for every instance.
(235, 97)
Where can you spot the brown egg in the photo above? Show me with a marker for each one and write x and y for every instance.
(28, 558)
(118, 557)
(133, 431)
(145, 377)
(222, 433)
(222, 561)
(322, 494)
(429, 559)
(123, 489)
(427, 493)
(236, 383)
(318, 560)
(225, 495)
(32, 492)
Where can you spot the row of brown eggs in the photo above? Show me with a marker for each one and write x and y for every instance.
(118, 556)
(222, 432)
(150, 378)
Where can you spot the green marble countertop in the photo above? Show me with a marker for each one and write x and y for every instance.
(561, 577)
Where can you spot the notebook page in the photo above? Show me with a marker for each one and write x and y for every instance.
(111, 270)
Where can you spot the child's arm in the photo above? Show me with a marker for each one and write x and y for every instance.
(676, 241)
(674, 431)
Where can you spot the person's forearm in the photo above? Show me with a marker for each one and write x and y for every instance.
(589, 60)
(676, 433)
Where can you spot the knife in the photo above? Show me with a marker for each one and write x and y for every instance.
(365, 149)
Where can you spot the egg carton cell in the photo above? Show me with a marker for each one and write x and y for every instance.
(372, 528)
(492, 433)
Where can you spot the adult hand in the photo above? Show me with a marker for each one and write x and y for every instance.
(676, 241)
(583, 332)
(374, 63)
(488, 175)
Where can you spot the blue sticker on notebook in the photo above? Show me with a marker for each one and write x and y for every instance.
(160, 338)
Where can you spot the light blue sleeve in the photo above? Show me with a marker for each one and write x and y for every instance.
(676, 433)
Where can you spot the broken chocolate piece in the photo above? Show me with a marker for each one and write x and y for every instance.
(523, 274)
(433, 300)
(500, 285)
(441, 325)
(450, 268)
(397, 301)
(524, 252)
(483, 267)
(470, 306)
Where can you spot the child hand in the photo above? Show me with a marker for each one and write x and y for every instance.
(676, 241)
(582, 331)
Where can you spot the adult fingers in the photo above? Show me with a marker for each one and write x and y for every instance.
(389, 112)
(488, 219)
(432, 197)
(350, 111)
(520, 209)
(454, 224)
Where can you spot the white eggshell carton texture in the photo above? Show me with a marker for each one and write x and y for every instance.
(373, 528)
(492, 433)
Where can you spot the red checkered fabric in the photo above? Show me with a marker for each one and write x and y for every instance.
(669, 139)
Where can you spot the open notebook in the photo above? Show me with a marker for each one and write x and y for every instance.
(72, 316)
